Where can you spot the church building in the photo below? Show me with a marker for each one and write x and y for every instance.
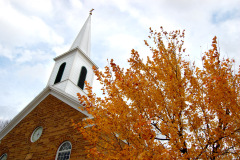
(43, 129)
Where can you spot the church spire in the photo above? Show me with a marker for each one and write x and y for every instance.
(83, 39)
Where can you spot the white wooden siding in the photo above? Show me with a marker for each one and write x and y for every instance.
(69, 60)
(75, 60)
(73, 89)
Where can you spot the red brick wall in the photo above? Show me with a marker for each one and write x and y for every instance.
(55, 118)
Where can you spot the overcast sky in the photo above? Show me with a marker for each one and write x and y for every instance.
(33, 32)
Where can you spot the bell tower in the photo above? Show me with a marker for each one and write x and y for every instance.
(74, 67)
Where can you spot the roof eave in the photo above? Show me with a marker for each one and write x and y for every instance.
(66, 98)
(70, 51)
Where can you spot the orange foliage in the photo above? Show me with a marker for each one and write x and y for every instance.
(166, 107)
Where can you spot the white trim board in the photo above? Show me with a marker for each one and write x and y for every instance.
(66, 98)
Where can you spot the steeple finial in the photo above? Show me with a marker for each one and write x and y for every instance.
(90, 12)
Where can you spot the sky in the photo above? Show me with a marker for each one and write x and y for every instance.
(33, 32)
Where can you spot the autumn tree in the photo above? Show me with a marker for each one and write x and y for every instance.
(165, 107)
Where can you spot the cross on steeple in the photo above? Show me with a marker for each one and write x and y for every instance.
(90, 12)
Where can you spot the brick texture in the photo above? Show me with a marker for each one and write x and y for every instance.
(55, 118)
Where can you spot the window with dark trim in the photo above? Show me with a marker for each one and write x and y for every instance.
(82, 77)
(4, 156)
(64, 151)
(60, 73)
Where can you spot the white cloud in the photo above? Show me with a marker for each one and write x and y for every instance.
(126, 41)
(29, 72)
(6, 52)
(19, 29)
(61, 49)
(76, 4)
(26, 55)
(40, 7)
(119, 47)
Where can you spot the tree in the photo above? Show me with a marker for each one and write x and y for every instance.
(3, 124)
(165, 107)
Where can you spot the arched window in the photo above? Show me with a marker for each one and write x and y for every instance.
(82, 77)
(4, 157)
(60, 73)
(64, 151)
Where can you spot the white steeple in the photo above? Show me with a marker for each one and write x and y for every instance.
(83, 39)
(74, 67)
